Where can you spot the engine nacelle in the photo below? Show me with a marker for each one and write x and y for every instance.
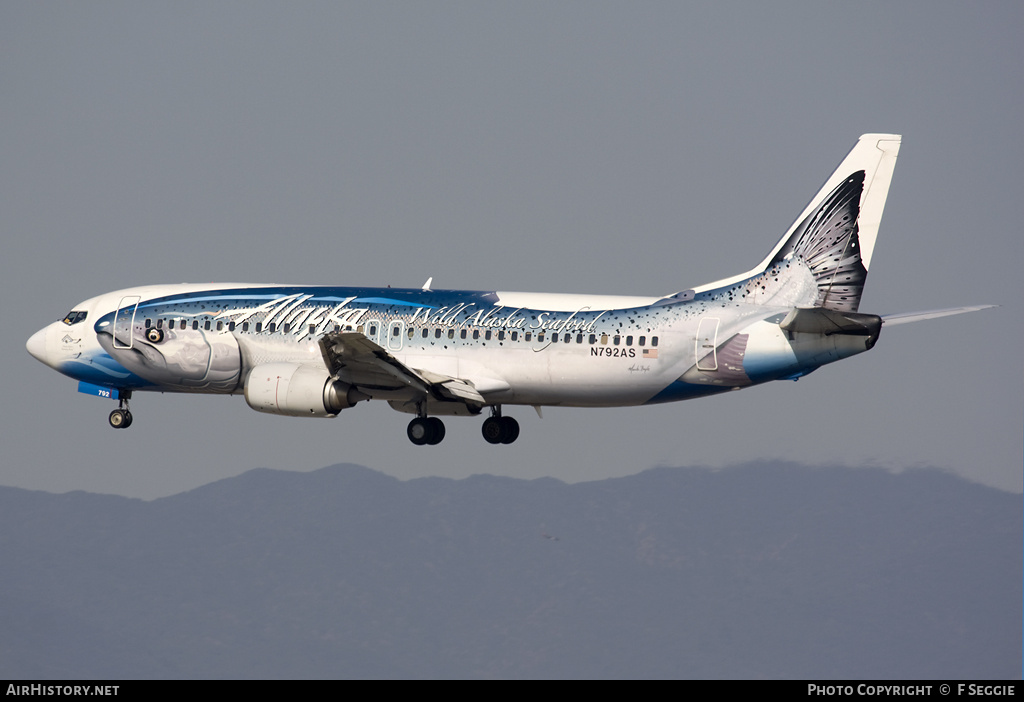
(297, 390)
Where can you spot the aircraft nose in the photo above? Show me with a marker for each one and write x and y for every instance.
(36, 346)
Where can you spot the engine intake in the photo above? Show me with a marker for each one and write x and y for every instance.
(297, 390)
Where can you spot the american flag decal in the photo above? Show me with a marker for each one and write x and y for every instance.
(650, 353)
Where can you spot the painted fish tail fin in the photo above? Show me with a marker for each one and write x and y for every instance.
(835, 234)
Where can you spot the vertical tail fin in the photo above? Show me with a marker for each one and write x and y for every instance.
(835, 234)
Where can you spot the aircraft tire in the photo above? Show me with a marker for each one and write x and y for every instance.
(420, 431)
(509, 430)
(492, 430)
(436, 431)
(117, 419)
(127, 419)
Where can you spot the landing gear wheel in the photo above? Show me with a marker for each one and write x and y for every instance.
(492, 430)
(120, 419)
(500, 430)
(511, 429)
(418, 431)
(437, 431)
(425, 430)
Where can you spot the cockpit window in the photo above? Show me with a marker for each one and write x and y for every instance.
(74, 317)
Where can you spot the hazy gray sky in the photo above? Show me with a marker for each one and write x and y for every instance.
(628, 148)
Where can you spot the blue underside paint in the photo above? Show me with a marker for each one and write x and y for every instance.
(98, 390)
(679, 390)
(103, 371)
(798, 374)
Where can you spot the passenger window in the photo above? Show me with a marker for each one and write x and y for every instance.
(554, 338)
(272, 327)
(604, 340)
(654, 341)
(451, 333)
(206, 326)
(515, 336)
(245, 326)
(148, 323)
(616, 339)
(629, 341)
(426, 332)
(568, 338)
(412, 333)
(579, 338)
(437, 333)
(476, 333)
(373, 330)
(487, 335)
(182, 324)
(528, 336)
(643, 340)
(360, 329)
(159, 324)
(259, 326)
(593, 339)
(195, 324)
(395, 330)
(231, 326)
(220, 325)
(287, 327)
(462, 334)
(312, 329)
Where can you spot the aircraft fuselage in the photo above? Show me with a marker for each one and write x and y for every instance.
(528, 349)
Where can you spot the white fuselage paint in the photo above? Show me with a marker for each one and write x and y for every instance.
(514, 348)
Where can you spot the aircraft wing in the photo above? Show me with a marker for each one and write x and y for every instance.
(354, 359)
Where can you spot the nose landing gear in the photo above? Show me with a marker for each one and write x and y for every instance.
(121, 418)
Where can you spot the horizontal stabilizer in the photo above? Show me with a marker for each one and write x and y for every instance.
(907, 317)
(819, 320)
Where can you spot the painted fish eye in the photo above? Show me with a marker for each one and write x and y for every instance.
(154, 335)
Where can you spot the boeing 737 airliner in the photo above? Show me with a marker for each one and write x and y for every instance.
(312, 351)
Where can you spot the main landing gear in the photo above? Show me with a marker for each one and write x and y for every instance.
(121, 418)
(430, 430)
(425, 430)
(498, 429)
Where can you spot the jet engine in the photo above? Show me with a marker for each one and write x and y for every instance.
(298, 390)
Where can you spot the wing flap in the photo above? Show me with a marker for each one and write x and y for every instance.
(354, 359)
